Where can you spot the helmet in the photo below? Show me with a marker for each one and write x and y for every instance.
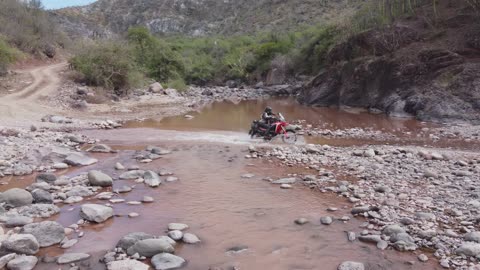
(268, 109)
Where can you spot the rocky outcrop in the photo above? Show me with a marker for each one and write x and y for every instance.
(196, 18)
(403, 71)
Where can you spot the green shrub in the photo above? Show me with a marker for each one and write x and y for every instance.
(8, 55)
(178, 84)
(108, 64)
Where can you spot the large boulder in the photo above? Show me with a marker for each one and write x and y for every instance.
(150, 247)
(42, 196)
(21, 244)
(47, 233)
(166, 261)
(127, 264)
(78, 159)
(96, 212)
(16, 197)
(132, 238)
(155, 88)
(98, 178)
(22, 263)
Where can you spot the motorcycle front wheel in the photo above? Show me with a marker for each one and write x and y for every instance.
(289, 137)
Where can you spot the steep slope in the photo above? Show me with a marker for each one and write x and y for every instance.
(431, 71)
(203, 17)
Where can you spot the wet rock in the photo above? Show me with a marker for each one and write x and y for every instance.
(127, 264)
(22, 263)
(286, 186)
(175, 235)
(73, 200)
(119, 166)
(473, 237)
(422, 258)
(150, 247)
(351, 236)
(301, 221)
(382, 245)
(133, 215)
(60, 166)
(360, 210)
(171, 179)
(326, 220)
(177, 227)
(96, 212)
(16, 197)
(98, 178)
(21, 244)
(168, 239)
(132, 174)
(370, 238)
(46, 177)
(393, 229)
(5, 259)
(72, 258)
(18, 221)
(80, 191)
(248, 175)
(47, 233)
(130, 239)
(123, 189)
(152, 179)
(348, 265)
(147, 199)
(78, 159)
(285, 181)
(469, 249)
(100, 148)
(38, 210)
(158, 151)
(190, 238)
(69, 243)
(42, 196)
(165, 261)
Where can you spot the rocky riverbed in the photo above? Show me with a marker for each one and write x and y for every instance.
(411, 198)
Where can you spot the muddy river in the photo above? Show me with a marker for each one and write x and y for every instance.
(222, 208)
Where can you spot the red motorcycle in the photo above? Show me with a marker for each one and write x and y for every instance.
(280, 127)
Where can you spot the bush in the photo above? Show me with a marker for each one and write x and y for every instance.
(27, 26)
(8, 55)
(178, 84)
(108, 64)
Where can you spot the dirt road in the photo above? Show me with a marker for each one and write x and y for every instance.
(23, 107)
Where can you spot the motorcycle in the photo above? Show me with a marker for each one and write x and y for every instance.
(282, 128)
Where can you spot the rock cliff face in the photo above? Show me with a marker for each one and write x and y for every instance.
(408, 68)
(201, 17)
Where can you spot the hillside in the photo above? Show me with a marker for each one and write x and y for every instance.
(425, 65)
(201, 17)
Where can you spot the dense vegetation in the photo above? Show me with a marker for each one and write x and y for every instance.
(179, 60)
(27, 27)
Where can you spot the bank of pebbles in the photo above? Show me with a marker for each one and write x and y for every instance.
(411, 197)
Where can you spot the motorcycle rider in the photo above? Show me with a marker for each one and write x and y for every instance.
(268, 117)
(268, 120)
